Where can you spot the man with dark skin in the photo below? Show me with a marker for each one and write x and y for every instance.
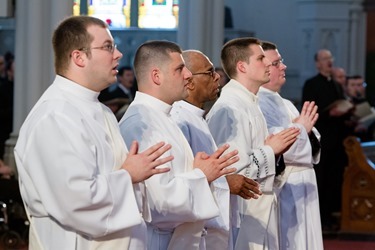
(188, 113)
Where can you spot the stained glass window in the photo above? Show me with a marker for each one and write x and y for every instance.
(151, 13)
(158, 13)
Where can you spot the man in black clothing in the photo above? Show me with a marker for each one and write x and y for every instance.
(118, 96)
(6, 106)
(123, 89)
(331, 124)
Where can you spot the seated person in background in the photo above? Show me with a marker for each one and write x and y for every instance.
(362, 120)
(119, 94)
(339, 76)
(355, 89)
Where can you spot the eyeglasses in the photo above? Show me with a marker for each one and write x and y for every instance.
(277, 63)
(107, 47)
(210, 73)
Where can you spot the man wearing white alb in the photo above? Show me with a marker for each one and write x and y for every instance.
(189, 115)
(181, 200)
(300, 226)
(236, 119)
(76, 176)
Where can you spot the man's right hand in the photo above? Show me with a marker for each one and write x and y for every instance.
(243, 186)
(143, 165)
(308, 117)
(215, 165)
(282, 141)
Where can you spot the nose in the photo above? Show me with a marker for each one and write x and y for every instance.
(217, 76)
(117, 53)
(188, 73)
(283, 65)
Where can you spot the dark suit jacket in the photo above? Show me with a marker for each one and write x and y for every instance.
(113, 92)
(324, 92)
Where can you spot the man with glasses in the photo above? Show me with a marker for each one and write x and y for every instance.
(333, 111)
(189, 115)
(77, 178)
(235, 118)
(299, 220)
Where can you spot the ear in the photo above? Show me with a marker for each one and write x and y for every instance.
(241, 67)
(155, 76)
(191, 84)
(78, 58)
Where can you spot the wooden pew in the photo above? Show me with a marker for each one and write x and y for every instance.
(358, 192)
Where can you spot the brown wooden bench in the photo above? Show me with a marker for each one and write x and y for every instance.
(358, 192)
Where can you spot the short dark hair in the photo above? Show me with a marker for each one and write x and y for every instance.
(71, 34)
(154, 52)
(353, 77)
(268, 46)
(234, 51)
(122, 69)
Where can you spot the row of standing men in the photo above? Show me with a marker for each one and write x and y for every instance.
(167, 176)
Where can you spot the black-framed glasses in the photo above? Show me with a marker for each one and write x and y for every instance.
(110, 47)
(277, 63)
(210, 73)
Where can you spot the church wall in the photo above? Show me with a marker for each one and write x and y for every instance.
(300, 28)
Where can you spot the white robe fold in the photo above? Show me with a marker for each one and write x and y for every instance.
(195, 129)
(235, 118)
(300, 226)
(66, 159)
(181, 199)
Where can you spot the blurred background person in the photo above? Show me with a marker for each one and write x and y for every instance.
(355, 89)
(118, 96)
(2, 67)
(326, 93)
(339, 76)
(6, 105)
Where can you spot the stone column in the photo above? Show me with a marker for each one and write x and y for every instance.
(217, 31)
(134, 13)
(201, 27)
(357, 39)
(6, 8)
(35, 21)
